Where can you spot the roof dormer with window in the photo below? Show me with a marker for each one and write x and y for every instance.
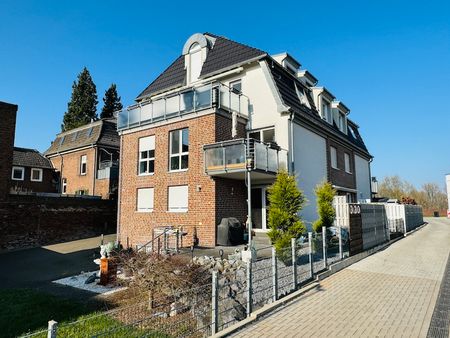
(322, 100)
(195, 51)
(340, 112)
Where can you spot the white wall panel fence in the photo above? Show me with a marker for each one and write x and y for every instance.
(403, 217)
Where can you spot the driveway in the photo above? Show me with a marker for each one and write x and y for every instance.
(36, 268)
(392, 293)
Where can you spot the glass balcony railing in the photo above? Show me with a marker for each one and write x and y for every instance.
(186, 101)
(240, 155)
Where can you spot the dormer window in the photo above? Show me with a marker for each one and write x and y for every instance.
(195, 61)
(342, 123)
(326, 111)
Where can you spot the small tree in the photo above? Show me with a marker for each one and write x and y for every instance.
(325, 194)
(286, 200)
(82, 107)
(111, 102)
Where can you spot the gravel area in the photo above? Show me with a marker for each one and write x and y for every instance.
(78, 282)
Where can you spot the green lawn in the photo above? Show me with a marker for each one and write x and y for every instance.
(25, 310)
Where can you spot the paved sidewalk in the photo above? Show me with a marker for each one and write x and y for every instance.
(389, 294)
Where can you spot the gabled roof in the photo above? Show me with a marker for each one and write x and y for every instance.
(25, 157)
(100, 133)
(224, 54)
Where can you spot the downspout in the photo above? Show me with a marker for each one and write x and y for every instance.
(61, 166)
(119, 192)
(370, 179)
(95, 170)
(291, 143)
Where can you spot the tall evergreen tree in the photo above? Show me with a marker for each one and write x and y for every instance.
(82, 107)
(111, 102)
(325, 194)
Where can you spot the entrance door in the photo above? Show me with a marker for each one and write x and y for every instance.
(259, 208)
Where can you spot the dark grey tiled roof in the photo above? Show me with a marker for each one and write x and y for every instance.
(172, 77)
(24, 157)
(286, 82)
(224, 53)
(103, 132)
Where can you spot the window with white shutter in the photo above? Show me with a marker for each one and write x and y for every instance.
(178, 198)
(145, 199)
(146, 155)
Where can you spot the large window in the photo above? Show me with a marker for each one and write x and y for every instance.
(179, 149)
(18, 173)
(36, 175)
(348, 163)
(264, 135)
(178, 198)
(333, 156)
(195, 64)
(147, 155)
(145, 199)
(83, 165)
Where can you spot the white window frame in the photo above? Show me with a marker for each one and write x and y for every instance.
(179, 191)
(151, 140)
(333, 159)
(149, 193)
(261, 133)
(181, 153)
(326, 115)
(41, 174)
(83, 160)
(347, 163)
(22, 169)
(64, 186)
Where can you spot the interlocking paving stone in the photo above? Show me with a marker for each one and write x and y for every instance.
(389, 294)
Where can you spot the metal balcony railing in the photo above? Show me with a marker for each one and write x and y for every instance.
(183, 102)
(240, 155)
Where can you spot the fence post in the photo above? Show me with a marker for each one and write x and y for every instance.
(324, 247)
(341, 252)
(294, 264)
(311, 260)
(274, 275)
(215, 303)
(52, 329)
(249, 288)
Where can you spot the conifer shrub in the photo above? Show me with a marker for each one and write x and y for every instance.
(325, 194)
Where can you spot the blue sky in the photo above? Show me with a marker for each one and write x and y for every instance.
(388, 61)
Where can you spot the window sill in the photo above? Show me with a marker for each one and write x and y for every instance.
(17, 179)
(36, 180)
(178, 211)
(143, 175)
(178, 171)
(144, 211)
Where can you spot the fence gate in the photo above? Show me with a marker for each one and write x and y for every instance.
(355, 229)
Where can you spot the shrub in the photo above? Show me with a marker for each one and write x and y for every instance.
(285, 202)
(325, 194)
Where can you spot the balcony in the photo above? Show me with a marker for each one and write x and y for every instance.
(231, 159)
(108, 170)
(212, 95)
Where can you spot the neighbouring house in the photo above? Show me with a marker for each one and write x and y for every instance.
(7, 133)
(32, 172)
(87, 159)
(222, 108)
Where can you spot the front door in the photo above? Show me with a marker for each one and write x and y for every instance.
(259, 208)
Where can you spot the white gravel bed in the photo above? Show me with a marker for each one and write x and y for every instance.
(78, 282)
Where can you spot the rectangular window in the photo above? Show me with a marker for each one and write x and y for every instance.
(326, 111)
(265, 135)
(18, 173)
(333, 156)
(236, 86)
(348, 166)
(64, 186)
(147, 155)
(145, 199)
(36, 175)
(178, 198)
(83, 165)
(179, 149)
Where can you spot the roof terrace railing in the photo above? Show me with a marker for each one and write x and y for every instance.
(211, 95)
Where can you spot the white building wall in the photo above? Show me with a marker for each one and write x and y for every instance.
(310, 158)
(362, 168)
(447, 181)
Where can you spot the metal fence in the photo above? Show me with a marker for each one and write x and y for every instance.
(210, 308)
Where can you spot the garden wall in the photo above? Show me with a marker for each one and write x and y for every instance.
(30, 221)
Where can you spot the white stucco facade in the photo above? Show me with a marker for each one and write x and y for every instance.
(310, 158)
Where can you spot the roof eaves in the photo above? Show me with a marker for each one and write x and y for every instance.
(238, 64)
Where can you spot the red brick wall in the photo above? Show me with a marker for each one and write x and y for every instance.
(136, 227)
(47, 184)
(339, 176)
(68, 166)
(7, 133)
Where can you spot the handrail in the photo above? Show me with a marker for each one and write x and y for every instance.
(152, 240)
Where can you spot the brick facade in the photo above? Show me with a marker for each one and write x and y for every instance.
(68, 167)
(209, 199)
(7, 133)
(340, 177)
